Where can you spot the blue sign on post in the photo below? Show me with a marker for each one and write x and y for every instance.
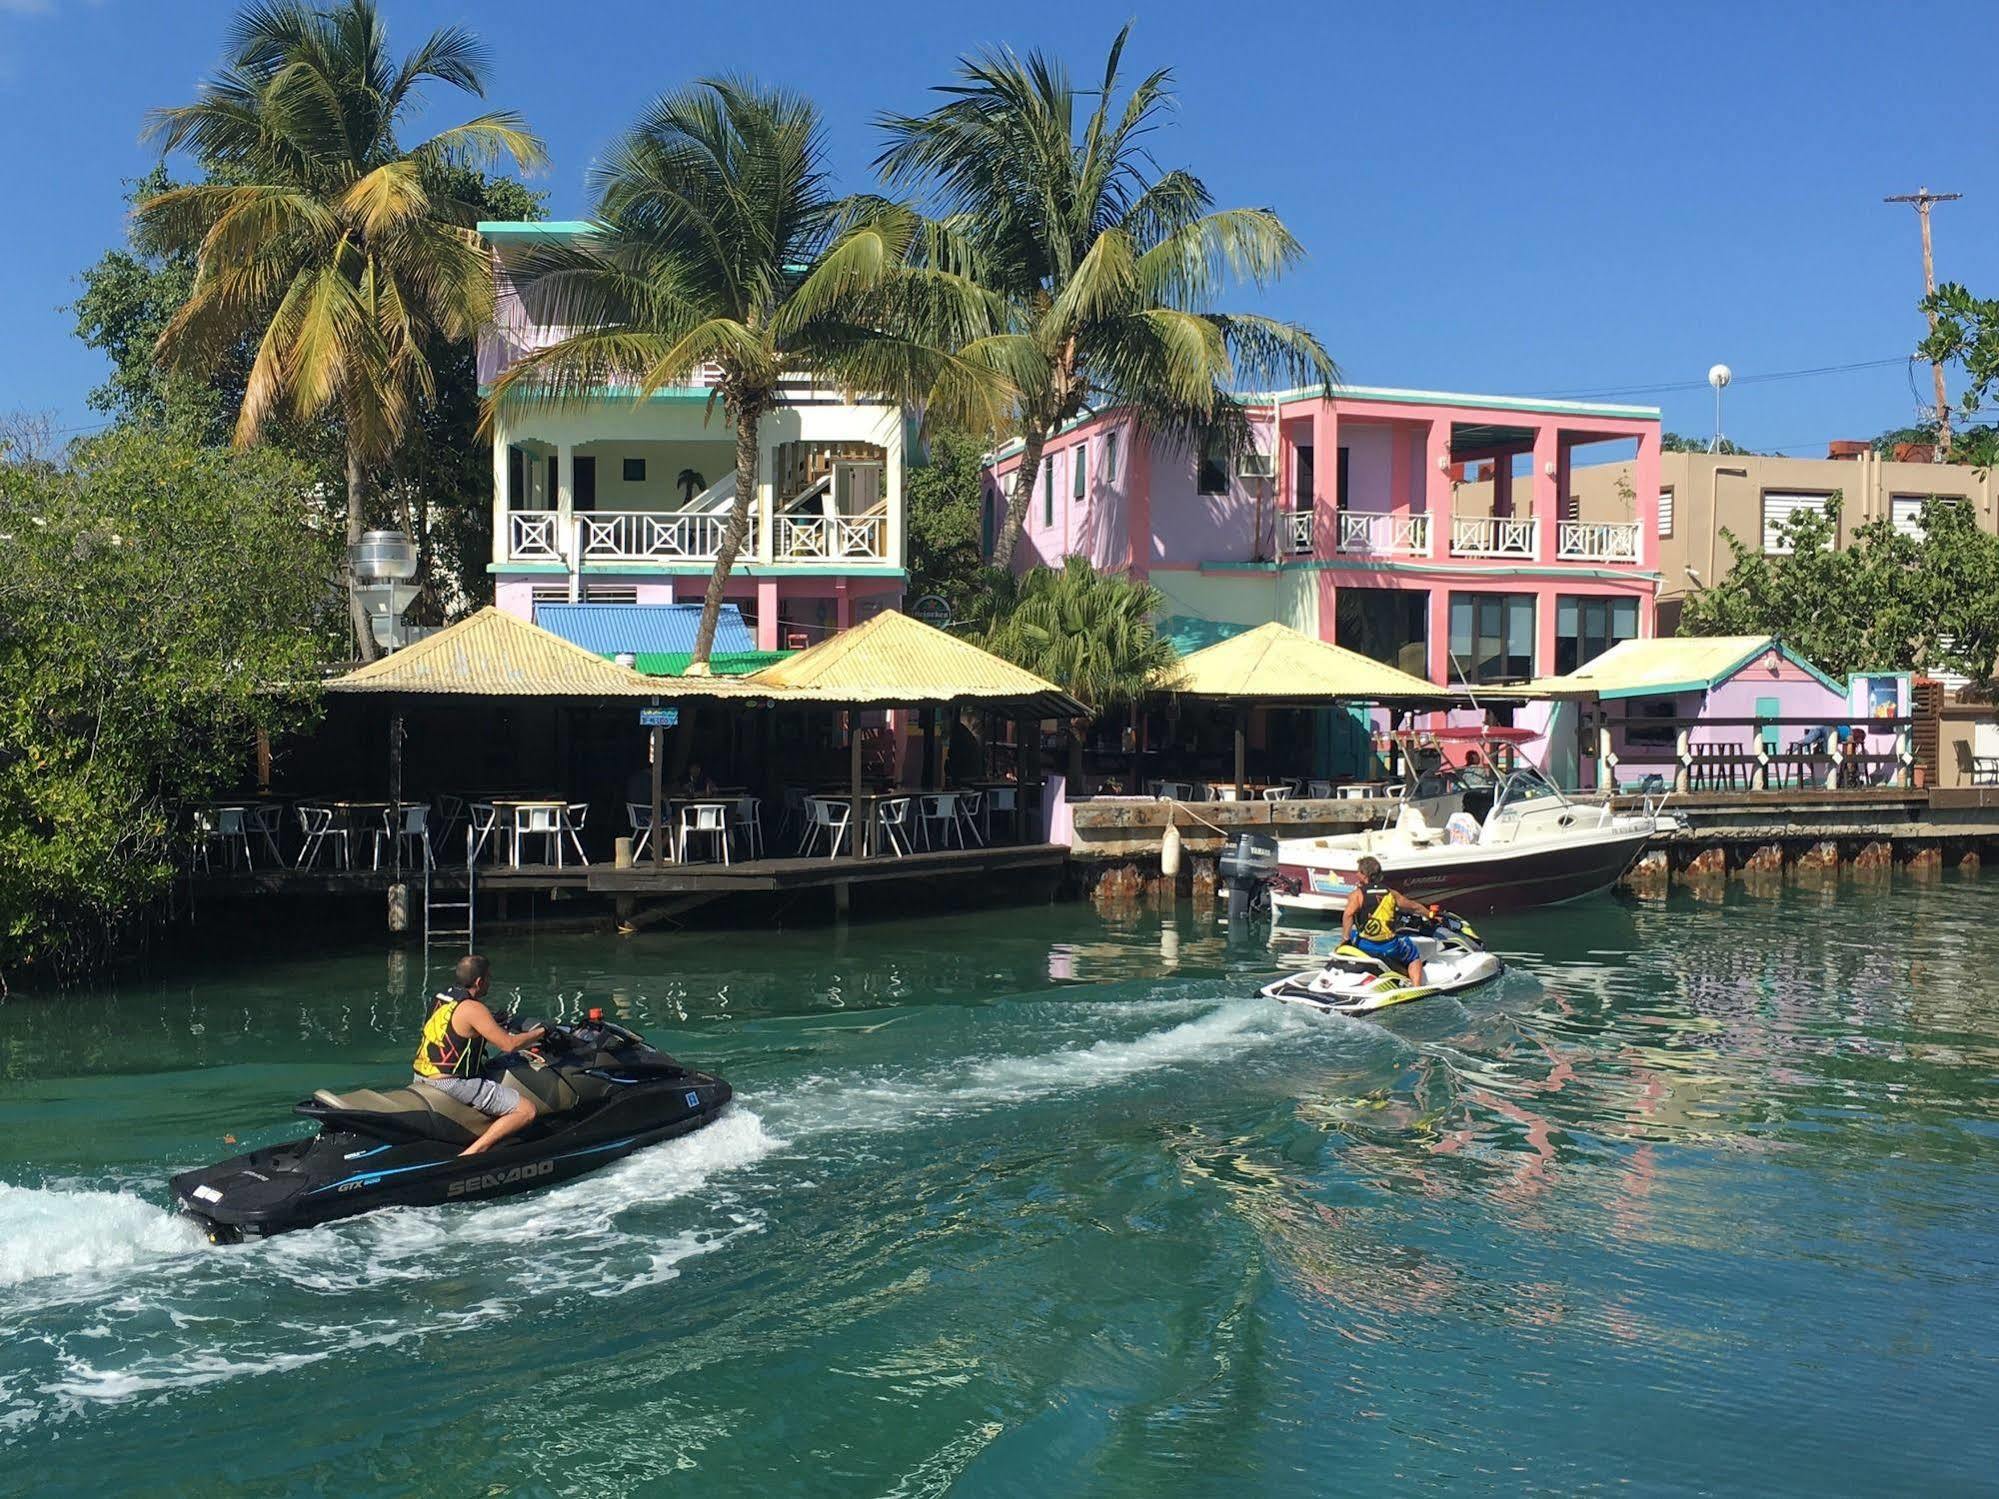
(659, 718)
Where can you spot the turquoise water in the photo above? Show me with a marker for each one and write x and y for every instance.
(1699, 1199)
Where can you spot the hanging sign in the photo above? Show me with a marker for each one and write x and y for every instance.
(659, 718)
(932, 609)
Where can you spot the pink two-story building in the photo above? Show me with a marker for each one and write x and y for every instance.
(1433, 531)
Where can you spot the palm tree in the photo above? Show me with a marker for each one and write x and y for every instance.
(1108, 265)
(717, 242)
(691, 481)
(339, 253)
(1089, 633)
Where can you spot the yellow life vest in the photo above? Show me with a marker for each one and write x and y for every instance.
(1377, 922)
(443, 1052)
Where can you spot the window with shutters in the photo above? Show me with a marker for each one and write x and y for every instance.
(1665, 512)
(1779, 507)
(1048, 490)
(1110, 457)
(1079, 469)
(1906, 511)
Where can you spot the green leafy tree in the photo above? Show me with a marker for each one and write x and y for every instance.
(160, 601)
(1884, 601)
(342, 254)
(1966, 332)
(719, 244)
(1676, 442)
(1108, 267)
(944, 508)
(437, 484)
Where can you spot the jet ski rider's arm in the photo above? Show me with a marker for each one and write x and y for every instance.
(1350, 918)
(477, 1019)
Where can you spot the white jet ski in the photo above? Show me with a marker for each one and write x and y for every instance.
(1356, 983)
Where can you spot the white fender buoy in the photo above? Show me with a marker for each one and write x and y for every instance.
(1169, 851)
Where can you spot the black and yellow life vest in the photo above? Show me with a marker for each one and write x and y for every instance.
(443, 1052)
(1377, 914)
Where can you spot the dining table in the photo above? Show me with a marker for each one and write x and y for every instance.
(516, 814)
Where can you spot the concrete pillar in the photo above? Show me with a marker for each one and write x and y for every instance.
(502, 501)
(1645, 481)
(1546, 469)
(843, 605)
(1325, 483)
(569, 543)
(1436, 483)
(767, 636)
(1502, 485)
(766, 508)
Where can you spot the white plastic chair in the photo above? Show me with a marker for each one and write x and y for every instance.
(450, 815)
(1277, 793)
(316, 830)
(794, 823)
(1319, 791)
(1003, 801)
(268, 822)
(828, 817)
(415, 829)
(485, 821)
(892, 818)
(971, 814)
(705, 820)
(746, 818)
(573, 817)
(229, 826)
(542, 823)
(640, 814)
(940, 810)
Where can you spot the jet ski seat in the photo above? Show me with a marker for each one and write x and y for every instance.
(423, 1111)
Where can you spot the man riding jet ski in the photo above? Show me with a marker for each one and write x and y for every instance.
(1392, 951)
(597, 1090)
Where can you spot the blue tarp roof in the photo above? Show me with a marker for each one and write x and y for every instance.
(1190, 633)
(648, 629)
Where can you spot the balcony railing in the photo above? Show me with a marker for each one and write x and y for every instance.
(832, 538)
(1377, 535)
(1597, 541)
(1298, 531)
(669, 536)
(1493, 536)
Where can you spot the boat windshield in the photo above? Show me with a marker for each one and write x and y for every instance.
(1524, 785)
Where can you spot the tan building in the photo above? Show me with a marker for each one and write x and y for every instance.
(1703, 494)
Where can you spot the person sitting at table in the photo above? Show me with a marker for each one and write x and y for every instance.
(697, 782)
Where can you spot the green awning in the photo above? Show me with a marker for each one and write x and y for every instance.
(721, 664)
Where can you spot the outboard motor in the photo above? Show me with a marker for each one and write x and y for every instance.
(1247, 866)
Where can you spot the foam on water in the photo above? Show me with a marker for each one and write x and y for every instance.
(47, 1231)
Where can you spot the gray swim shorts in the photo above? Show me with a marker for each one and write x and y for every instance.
(489, 1098)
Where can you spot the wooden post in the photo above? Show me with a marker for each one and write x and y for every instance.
(263, 760)
(856, 823)
(396, 781)
(1241, 747)
(658, 775)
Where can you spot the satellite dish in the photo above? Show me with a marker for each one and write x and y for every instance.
(1719, 375)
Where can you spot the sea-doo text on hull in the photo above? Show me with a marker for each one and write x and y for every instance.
(1355, 982)
(600, 1093)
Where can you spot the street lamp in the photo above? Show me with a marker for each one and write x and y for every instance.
(383, 562)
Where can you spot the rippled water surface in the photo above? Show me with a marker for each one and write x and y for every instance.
(1701, 1198)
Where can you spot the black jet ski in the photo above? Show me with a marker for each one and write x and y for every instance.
(601, 1093)
(1354, 982)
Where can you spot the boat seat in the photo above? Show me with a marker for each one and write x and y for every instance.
(458, 1118)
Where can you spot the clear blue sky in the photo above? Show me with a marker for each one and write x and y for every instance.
(1548, 199)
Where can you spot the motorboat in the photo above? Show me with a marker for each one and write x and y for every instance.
(600, 1093)
(1474, 840)
(1354, 982)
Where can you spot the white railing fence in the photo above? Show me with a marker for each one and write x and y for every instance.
(1298, 533)
(1385, 535)
(1493, 536)
(1597, 541)
(832, 538)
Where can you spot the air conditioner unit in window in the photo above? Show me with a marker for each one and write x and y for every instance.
(1256, 466)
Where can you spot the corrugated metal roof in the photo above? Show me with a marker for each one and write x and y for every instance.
(493, 654)
(643, 629)
(895, 661)
(1276, 664)
(721, 664)
(1674, 663)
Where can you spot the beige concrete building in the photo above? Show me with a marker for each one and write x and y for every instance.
(1703, 494)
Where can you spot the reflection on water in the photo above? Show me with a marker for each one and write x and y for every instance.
(1700, 1196)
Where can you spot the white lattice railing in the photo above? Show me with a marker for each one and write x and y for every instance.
(1298, 531)
(616, 536)
(1493, 536)
(1385, 535)
(1597, 541)
(832, 538)
(534, 536)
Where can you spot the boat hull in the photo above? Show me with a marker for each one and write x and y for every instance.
(1473, 880)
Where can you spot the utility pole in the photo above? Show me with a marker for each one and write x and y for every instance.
(1922, 198)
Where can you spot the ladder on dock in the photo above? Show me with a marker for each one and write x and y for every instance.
(446, 919)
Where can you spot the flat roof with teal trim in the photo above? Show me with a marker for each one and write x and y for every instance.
(534, 228)
(1533, 404)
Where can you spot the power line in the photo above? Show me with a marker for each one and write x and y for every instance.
(1668, 387)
